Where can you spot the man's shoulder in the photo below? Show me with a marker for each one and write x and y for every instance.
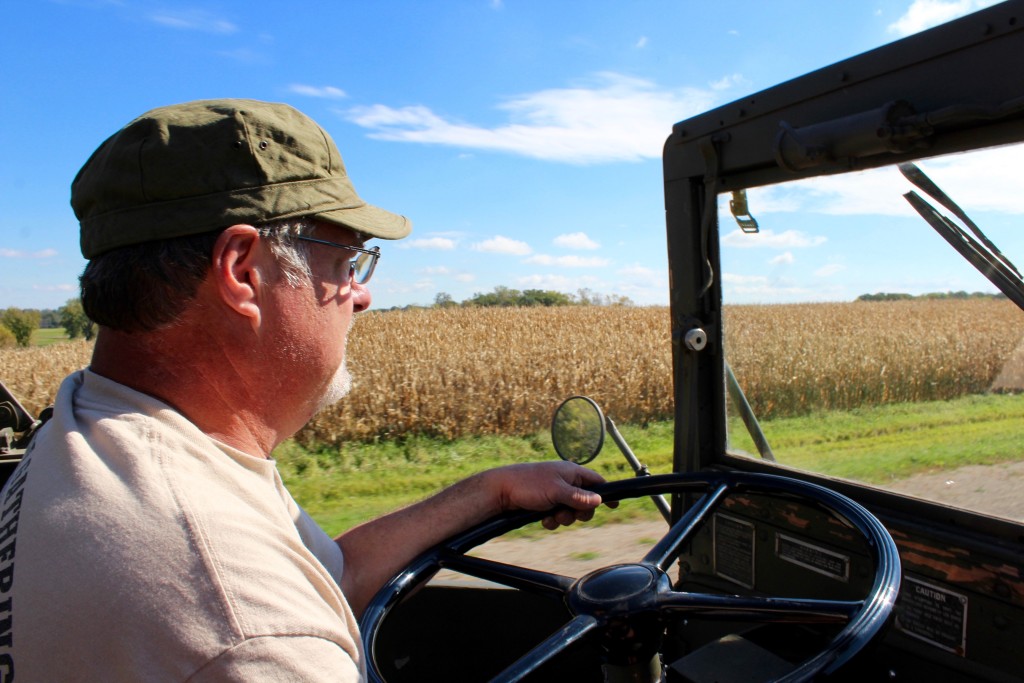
(149, 534)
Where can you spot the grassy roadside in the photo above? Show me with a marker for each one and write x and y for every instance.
(882, 444)
(341, 488)
(47, 336)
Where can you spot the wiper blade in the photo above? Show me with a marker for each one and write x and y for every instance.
(978, 249)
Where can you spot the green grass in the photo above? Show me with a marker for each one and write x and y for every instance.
(50, 335)
(880, 444)
(341, 487)
(585, 555)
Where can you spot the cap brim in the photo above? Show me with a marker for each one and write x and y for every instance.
(369, 220)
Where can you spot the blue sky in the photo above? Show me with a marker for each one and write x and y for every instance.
(523, 138)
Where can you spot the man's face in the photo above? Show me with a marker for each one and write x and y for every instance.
(341, 382)
(316, 318)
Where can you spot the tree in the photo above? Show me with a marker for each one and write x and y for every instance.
(501, 296)
(49, 319)
(74, 320)
(444, 300)
(506, 296)
(586, 297)
(543, 297)
(21, 323)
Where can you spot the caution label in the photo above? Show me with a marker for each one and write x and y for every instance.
(933, 614)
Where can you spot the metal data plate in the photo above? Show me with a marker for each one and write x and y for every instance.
(812, 556)
(734, 549)
(933, 614)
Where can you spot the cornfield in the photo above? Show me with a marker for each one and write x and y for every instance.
(460, 371)
(793, 359)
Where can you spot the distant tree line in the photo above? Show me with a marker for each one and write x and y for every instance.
(506, 296)
(18, 324)
(897, 296)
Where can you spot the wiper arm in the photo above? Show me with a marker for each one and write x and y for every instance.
(979, 251)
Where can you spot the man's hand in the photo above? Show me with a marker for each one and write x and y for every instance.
(546, 486)
(557, 486)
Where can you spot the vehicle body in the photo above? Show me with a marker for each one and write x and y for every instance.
(960, 611)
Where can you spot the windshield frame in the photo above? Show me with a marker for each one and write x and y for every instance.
(880, 108)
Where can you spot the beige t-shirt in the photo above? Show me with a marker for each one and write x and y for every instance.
(134, 547)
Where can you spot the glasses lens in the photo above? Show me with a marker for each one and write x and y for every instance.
(362, 267)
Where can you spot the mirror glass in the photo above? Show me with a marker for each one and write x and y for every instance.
(577, 430)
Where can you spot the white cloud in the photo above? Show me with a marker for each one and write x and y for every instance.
(611, 118)
(762, 200)
(324, 92)
(194, 20)
(400, 287)
(561, 283)
(17, 253)
(788, 239)
(502, 245)
(639, 272)
(923, 14)
(55, 288)
(434, 270)
(785, 258)
(759, 289)
(576, 240)
(437, 243)
(830, 270)
(744, 280)
(246, 55)
(381, 116)
(987, 180)
(641, 43)
(568, 261)
(645, 286)
(730, 81)
(981, 180)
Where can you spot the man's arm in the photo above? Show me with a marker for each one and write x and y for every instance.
(376, 550)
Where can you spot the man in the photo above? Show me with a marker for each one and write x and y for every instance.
(147, 534)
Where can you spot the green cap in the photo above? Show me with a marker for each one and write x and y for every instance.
(194, 167)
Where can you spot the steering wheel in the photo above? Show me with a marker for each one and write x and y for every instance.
(626, 606)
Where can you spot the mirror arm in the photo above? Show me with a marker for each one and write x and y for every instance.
(739, 400)
(639, 469)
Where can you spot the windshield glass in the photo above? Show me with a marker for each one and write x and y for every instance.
(866, 346)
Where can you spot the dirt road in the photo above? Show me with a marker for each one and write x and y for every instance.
(993, 489)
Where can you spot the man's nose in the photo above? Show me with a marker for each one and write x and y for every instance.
(361, 297)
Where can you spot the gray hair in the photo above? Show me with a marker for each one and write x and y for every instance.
(144, 287)
(293, 254)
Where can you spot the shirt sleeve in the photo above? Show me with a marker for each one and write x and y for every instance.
(321, 545)
(281, 658)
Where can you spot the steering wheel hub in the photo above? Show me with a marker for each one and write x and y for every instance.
(619, 588)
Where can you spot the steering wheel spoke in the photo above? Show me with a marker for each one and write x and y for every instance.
(548, 648)
(760, 609)
(668, 548)
(513, 576)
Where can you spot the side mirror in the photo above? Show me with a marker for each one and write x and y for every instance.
(577, 430)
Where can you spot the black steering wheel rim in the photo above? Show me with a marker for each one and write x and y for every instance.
(866, 617)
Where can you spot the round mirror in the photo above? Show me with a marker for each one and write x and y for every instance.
(577, 430)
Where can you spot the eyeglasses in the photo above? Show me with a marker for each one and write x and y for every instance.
(361, 266)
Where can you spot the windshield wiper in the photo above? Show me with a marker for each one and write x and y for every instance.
(977, 249)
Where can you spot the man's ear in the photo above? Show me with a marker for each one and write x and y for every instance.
(236, 269)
